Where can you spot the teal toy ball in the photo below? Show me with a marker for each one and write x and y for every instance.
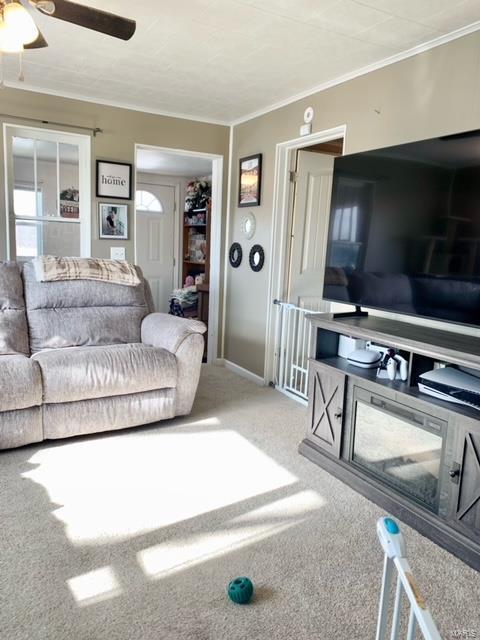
(240, 590)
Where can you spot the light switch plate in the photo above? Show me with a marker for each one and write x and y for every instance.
(117, 253)
(306, 129)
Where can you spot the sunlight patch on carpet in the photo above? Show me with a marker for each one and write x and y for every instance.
(94, 586)
(250, 528)
(118, 487)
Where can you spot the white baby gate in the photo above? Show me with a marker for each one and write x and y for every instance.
(293, 342)
(393, 544)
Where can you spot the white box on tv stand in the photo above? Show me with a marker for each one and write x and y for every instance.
(347, 345)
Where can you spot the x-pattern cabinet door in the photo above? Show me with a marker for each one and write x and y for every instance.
(465, 475)
(326, 397)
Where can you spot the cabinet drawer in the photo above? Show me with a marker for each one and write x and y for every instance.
(326, 397)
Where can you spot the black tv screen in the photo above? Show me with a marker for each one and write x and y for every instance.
(404, 229)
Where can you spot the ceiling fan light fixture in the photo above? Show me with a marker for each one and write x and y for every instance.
(18, 21)
(10, 41)
(46, 6)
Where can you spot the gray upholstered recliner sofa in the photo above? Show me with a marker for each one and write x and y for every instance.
(79, 357)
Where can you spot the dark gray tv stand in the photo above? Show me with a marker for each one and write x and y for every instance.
(416, 456)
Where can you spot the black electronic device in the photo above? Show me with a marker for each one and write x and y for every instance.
(404, 230)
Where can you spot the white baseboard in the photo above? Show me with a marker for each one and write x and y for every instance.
(245, 373)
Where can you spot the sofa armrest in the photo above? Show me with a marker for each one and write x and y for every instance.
(167, 331)
(182, 337)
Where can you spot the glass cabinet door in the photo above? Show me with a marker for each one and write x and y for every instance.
(399, 446)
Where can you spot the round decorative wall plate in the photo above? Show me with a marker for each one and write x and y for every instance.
(256, 257)
(249, 225)
(235, 255)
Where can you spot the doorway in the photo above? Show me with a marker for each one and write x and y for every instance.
(302, 192)
(177, 236)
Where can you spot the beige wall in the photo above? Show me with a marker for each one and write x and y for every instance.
(434, 93)
(122, 129)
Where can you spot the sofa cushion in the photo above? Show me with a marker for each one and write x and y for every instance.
(20, 383)
(82, 313)
(13, 323)
(82, 373)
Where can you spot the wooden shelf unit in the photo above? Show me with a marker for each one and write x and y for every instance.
(195, 267)
(340, 393)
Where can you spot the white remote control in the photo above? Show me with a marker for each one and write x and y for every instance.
(402, 366)
(392, 368)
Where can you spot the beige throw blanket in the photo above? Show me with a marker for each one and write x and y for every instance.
(50, 269)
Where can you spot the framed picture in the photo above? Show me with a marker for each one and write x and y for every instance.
(69, 203)
(114, 180)
(113, 220)
(250, 181)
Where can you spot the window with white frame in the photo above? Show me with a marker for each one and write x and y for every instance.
(146, 201)
(49, 193)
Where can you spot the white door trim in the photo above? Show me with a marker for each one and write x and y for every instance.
(282, 202)
(215, 238)
(85, 178)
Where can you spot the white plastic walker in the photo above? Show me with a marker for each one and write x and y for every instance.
(393, 544)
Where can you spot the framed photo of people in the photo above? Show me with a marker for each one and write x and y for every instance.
(113, 220)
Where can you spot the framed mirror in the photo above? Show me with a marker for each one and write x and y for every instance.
(256, 257)
(235, 255)
(249, 225)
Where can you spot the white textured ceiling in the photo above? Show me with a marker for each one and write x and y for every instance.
(223, 59)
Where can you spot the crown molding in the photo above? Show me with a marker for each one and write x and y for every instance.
(385, 62)
(110, 103)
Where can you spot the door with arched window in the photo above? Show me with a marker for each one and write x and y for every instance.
(155, 239)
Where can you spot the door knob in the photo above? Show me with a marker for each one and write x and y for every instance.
(454, 472)
(338, 414)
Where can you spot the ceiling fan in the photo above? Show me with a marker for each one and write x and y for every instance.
(19, 32)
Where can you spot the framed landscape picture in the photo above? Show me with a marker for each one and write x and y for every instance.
(114, 180)
(250, 181)
(113, 221)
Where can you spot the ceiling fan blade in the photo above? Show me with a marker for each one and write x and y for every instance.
(90, 18)
(39, 43)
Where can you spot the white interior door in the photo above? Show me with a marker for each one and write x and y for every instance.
(155, 239)
(313, 189)
(308, 228)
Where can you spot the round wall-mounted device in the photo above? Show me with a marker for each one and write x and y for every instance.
(308, 115)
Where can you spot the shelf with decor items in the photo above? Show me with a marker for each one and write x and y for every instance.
(196, 257)
(196, 243)
(414, 454)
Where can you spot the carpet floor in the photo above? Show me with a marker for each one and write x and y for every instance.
(135, 535)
